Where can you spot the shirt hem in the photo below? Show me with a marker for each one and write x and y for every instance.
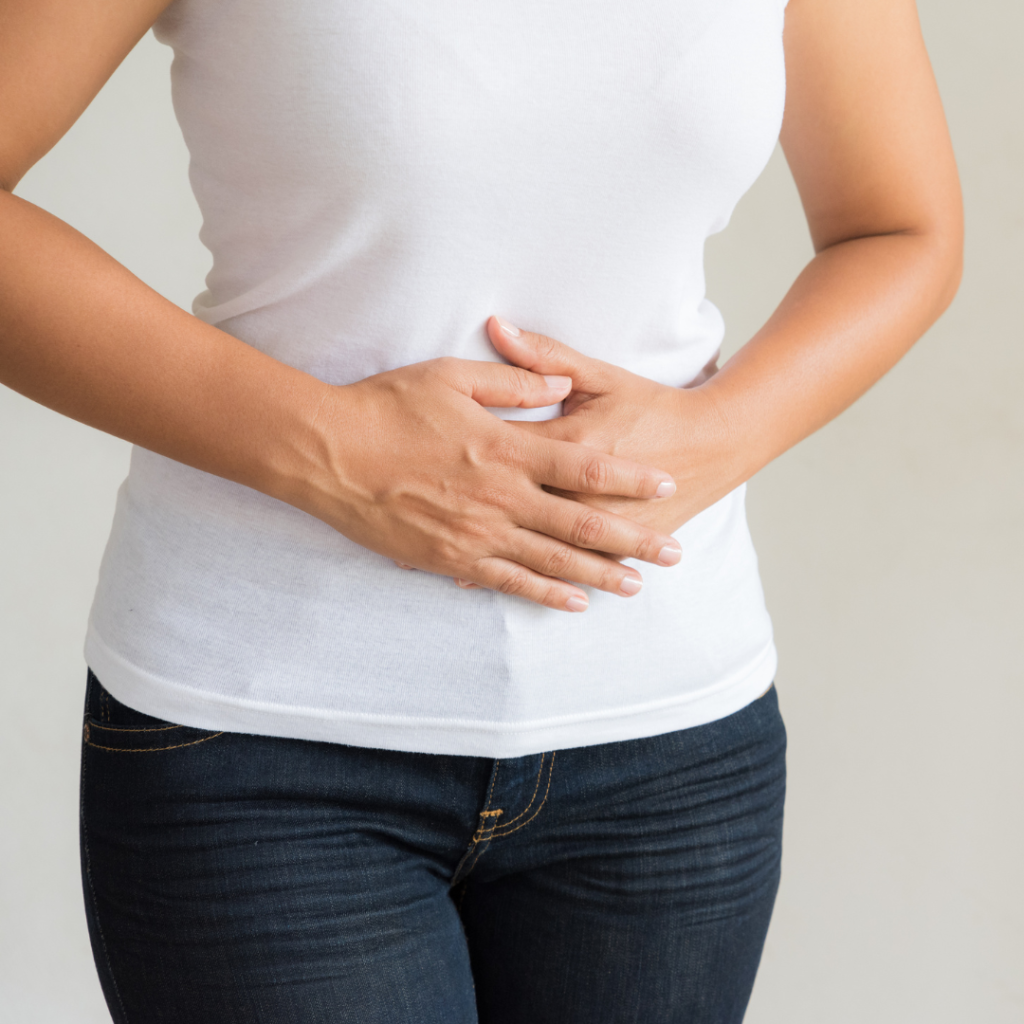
(185, 705)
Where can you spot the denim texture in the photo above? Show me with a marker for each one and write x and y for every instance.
(236, 878)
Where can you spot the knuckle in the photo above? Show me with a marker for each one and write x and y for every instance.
(638, 482)
(595, 473)
(546, 347)
(648, 546)
(520, 382)
(558, 561)
(515, 581)
(446, 553)
(445, 369)
(477, 533)
(611, 577)
(589, 530)
(506, 449)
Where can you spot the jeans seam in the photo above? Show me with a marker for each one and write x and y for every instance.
(474, 854)
(92, 896)
(490, 790)
(481, 836)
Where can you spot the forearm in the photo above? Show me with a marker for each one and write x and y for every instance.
(408, 463)
(852, 314)
(82, 335)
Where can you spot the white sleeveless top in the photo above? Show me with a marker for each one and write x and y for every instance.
(376, 178)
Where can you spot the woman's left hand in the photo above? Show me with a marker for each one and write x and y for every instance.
(679, 429)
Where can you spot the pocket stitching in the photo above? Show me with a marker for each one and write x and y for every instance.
(119, 728)
(148, 750)
(497, 834)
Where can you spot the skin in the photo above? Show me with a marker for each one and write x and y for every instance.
(516, 507)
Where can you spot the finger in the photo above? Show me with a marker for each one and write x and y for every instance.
(583, 526)
(509, 577)
(574, 467)
(542, 354)
(562, 561)
(561, 428)
(466, 585)
(498, 385)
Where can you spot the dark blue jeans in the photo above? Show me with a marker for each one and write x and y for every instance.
(235, 878)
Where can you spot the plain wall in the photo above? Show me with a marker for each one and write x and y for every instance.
(892, 557)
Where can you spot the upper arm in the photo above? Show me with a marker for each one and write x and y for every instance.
(864, 131)
(55, 56)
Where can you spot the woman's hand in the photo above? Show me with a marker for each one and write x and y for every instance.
(615, 411)
(413, 466)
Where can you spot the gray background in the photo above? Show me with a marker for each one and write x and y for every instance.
(892, 559)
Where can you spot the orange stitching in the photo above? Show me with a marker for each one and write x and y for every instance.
(527, 808)
(484, 832)
(155, 728)
(481, 837)
(152, 750)
(551, 767)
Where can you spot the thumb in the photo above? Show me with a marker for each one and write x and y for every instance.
(541, 354)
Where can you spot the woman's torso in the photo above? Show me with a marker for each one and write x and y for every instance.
(376, 178)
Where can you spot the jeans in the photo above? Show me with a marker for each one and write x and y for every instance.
(236, 878)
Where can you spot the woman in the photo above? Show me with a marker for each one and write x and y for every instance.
(345, 757)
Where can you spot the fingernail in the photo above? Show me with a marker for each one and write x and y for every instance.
(670, 554)
(463, 583)
(402, 565)
(561, 384)
(512, 332)
(577, 603)
(665, 489)
(630, 586)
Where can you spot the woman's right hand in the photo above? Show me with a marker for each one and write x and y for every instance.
(412, 466)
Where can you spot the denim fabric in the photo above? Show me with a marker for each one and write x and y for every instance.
(236, 878)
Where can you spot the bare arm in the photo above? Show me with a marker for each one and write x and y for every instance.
(80, 333)
(406, 463)
(866, 139)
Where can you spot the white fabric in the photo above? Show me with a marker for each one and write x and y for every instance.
(376, 177)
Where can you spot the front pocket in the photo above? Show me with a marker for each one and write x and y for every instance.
(121, 739)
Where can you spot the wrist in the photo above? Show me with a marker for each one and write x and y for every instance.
(727, 430)
(303, 466)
